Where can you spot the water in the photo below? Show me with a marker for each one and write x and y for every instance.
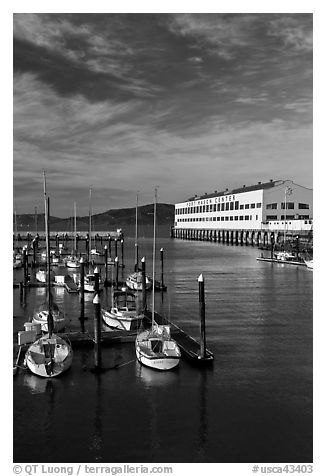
(253, 404)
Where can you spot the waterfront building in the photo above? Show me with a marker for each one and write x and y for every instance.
(272, 205)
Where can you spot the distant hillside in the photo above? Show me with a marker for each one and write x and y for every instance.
(110, 220)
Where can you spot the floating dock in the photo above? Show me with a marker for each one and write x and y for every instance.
(190, 348)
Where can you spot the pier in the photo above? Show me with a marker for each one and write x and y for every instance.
(241, 237)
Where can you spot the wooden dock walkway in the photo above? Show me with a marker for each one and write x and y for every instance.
(70, 284)
(189, 347)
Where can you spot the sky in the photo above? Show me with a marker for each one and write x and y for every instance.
(190, 103)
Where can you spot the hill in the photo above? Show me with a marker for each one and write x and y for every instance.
(109, 220)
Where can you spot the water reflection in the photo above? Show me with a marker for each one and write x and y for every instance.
(155, 378)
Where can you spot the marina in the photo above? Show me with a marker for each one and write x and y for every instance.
(258, 341)
(163, 307)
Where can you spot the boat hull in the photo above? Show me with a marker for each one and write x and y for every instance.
(121, 322)
(38, 358)
(41, 317)
(157, 363)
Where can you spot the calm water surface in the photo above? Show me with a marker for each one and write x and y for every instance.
(253, 405)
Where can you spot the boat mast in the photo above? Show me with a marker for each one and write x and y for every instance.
(90, 226)
(75, 229)
(136, 236)
(15, 243)
(47, 238)
(154, 250)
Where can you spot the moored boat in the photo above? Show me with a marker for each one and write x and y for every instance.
(154, 347)
(123, 313)
(134, 281)
(49, 355)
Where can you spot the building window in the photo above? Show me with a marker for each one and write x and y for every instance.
(303, 206)
(246, 206)
(271, 217)
(222, 218)
(231, 218)
(214, 208)
(226, 218)
(304, 217)
(236, 205)
(227, 206)
(256, 217)
(214, 218)
(222, 207)
(289, 205)
(271, 206)
(252, 205)
(218, 207)
(287, 217)
(241, 207)
(211, 208)
(218, 218)
(241, 217)
(247, 217)
(258, 205)
(236, 218)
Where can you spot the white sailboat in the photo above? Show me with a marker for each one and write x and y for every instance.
(285, 255)
(123, 313)
(154, 347)
(50, 355)
(73, 261)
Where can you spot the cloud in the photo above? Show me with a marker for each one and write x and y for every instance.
(127, 102)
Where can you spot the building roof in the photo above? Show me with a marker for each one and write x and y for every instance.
(259, 186)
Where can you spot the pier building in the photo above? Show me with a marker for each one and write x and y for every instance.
(272, 206)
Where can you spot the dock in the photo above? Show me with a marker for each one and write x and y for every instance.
(190, 348)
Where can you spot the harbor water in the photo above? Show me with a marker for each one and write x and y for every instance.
(253, 404)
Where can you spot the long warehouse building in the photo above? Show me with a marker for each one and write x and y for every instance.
(272, 205)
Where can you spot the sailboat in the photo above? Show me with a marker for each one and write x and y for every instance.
(50, 355)
(154, 347)
(134, 281)
(46, 276)
(285, 255)
(123, 313)
(72, 261)
(93, 251)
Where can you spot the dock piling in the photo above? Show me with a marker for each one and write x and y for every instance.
(162, 268)
(143, 280)
(116, 264)
(97, 333)
(106, 264)
(202, 316)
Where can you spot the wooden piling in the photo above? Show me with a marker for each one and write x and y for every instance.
(97, 281)
(97, 333)
(202, 316)
(116, 264)
(116, 248)
(122, 252)
(106, 265)
(82, 289)
(25, 266)
(143, 280)
(162, 268)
